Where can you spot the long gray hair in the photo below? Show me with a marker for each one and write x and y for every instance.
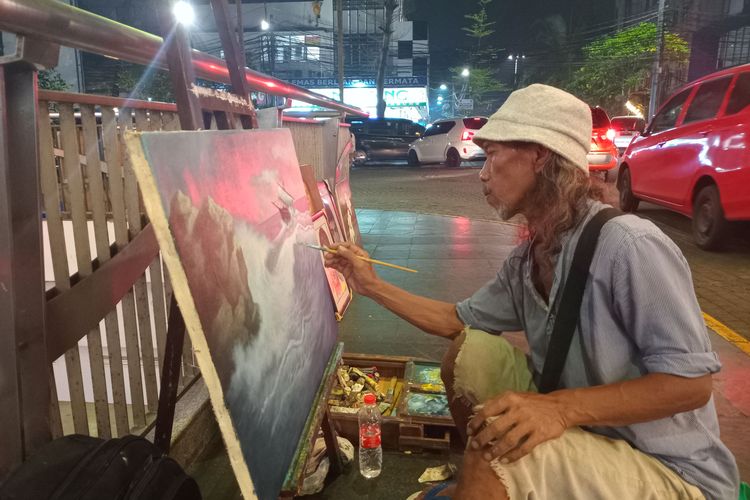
(557, 202)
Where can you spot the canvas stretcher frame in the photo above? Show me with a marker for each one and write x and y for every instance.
(316, 414)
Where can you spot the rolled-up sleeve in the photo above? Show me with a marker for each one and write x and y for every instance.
(654, 298)
(492, 308)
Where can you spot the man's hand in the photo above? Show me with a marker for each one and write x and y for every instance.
(360, 275)
(509, 426)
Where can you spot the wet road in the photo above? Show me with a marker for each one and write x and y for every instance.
(722, 279)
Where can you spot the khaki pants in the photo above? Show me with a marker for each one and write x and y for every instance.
(578, 464)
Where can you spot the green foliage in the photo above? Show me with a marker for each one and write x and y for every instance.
(483, 83)
(50, 79)
(481, 26)
(139, 82)
(619, 65)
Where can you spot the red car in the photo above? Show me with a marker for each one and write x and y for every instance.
(694, 157)
(603, 154)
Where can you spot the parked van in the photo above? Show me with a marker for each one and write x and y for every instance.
(694, 156)
(383, 138)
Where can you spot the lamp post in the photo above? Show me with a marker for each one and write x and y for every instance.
(465, 73)
(440, 101)
(515, 58)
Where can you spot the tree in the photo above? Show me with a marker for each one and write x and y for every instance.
(619, 65)
(390, 7)
(480, 29)
(140, 82)
(483, 84)
(50, 79)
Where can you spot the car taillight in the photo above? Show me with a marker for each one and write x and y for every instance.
(467, 135)
(600, 136)
(611, 134)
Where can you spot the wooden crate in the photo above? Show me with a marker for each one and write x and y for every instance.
(401, 432)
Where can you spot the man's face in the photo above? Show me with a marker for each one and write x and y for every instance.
(508, 176)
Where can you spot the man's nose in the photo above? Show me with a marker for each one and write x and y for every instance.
(484, 172)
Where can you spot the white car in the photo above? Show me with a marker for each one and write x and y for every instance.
(625, 129)
(448, 141)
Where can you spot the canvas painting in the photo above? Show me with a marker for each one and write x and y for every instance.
(346, 210)
(336, 281)
(311, 187)
(231, 216)
(332, 213)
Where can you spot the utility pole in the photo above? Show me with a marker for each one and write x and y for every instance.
(340, 45)
(656, 71)
(390, 7)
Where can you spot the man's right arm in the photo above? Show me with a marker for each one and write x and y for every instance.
(433, 316)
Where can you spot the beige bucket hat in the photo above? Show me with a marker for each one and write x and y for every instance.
(545, 115)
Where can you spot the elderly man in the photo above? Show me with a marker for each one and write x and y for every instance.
(632, 416)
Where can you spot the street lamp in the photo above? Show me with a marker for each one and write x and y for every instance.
(465, 72)
(183, 13)
(264, 25)
(515, 58)
(443, 86)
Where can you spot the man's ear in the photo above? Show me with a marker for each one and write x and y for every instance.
(541, 156)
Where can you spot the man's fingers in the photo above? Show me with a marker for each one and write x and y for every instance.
(511, 440)
(351, 248)
(487, 411)
(495, 429)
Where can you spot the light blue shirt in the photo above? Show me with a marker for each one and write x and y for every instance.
(639, 315)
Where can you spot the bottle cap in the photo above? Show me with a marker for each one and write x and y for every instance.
(369, 399)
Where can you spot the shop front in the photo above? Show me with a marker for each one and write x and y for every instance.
(405, 97)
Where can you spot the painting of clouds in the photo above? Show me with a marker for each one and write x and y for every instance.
(237, 216)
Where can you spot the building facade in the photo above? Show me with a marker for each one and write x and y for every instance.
(718, 32)
(297, 42)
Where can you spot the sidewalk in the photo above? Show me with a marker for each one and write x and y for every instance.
(454, 257)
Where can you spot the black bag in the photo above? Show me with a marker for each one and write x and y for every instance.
(85, 468)
(570, 303)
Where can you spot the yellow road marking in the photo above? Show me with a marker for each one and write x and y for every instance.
(735, 338)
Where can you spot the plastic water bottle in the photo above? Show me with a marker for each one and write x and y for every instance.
(370, 451)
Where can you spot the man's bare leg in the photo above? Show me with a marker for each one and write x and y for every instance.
(478, 480)
(461, 409)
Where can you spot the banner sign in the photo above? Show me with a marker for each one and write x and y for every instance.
(332, 83)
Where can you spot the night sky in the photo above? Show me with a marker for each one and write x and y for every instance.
(514, 29)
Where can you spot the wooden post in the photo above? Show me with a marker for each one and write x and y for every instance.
(181, 70)
(233, 55)
(25, 395)
(191, 118)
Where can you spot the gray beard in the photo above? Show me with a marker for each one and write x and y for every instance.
(505, 212)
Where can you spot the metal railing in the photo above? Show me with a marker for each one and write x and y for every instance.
(66, 25)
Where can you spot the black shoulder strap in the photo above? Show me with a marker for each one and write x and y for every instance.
(570, 303)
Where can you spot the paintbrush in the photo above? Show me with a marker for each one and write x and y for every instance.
(366, 259)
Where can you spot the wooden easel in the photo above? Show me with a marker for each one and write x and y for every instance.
(198, 111)
(319, 418)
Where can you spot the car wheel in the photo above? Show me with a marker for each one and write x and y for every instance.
(709, 225)
(413, 158)
(453, 159)
(628, 201)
